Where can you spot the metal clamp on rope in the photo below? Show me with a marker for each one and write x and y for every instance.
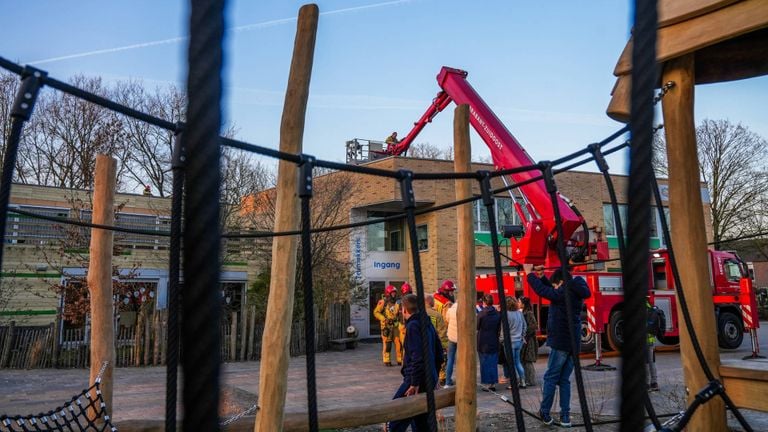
(712, 389)
(406, 189)
(549, 179)
(306, 165)
(31, 83)
(485, 187)
(602, 164)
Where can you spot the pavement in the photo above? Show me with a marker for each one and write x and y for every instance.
(344, 378)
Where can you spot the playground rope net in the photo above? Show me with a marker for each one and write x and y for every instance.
(84, 412)
(199, 175)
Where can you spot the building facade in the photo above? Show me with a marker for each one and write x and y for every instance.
(380, 253)
(42, 255)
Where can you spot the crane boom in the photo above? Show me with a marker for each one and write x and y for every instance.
(536, 246)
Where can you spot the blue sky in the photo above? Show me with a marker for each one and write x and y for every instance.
(545, 68)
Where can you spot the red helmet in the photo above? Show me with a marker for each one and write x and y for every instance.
(389, 290)
(406, 289)
(447, 286)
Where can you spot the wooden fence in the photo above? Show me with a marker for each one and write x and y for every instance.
(144, 344)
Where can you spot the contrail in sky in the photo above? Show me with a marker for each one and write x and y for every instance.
(241, 28)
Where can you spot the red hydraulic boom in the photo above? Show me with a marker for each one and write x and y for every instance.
(536, 246)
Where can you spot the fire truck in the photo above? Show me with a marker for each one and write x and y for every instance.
(534, 241)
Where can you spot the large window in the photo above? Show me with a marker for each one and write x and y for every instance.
(611, 229)
(385, 236)
(505, 214)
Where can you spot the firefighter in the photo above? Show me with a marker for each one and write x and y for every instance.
(405, 289)
(444, 297)
(392, 142)
(388, 313)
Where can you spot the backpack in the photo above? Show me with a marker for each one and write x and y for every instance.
(656, 322)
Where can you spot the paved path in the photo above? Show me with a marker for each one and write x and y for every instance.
(346, 378)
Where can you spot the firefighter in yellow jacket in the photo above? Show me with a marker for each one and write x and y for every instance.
(388, 313)
(405, 289)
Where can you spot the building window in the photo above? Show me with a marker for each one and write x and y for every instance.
(505, 214)
(422, 237)
(385, 236)
(657, 240)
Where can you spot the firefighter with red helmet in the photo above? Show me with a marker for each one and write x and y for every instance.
(444, 296)
(388, 313)
(405, 289)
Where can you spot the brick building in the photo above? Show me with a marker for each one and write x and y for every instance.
(380, 253)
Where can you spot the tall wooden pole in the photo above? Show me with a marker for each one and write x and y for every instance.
(689, 238)
(273, 374)
(100, 277)
(466, 370)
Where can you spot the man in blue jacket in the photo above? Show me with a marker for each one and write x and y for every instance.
(415, 364)
(559, 332)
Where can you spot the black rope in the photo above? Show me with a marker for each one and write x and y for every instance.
(174, 280)
(488, 202)
(201, 303)
(602, 165)
(549, 180)
(684, 305)
(305, 193)
(635, 276)
(409, 205)
(21, 111)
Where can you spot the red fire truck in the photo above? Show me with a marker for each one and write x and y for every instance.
(731, 287)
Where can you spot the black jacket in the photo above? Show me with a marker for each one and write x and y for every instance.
(488, 327)
(557, 321)
(413, 359)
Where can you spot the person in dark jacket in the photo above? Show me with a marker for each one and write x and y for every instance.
(488, 327)
(415, 364)
(559, 333)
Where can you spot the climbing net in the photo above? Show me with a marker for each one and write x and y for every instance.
(196, 180)
(84, 412)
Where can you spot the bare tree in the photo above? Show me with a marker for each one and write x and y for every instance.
(734, 163)
(332, 274)
(66, 133)
(425, 150)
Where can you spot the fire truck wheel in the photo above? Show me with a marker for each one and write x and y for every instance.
(730, 331)
(616, 330)
(669, 340)
(587, 337)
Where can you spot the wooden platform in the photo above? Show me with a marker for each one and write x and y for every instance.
(746, 382)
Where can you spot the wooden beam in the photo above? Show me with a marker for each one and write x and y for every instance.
(328, 419)
(746, 382)
(675, 11)
(466, 361)
(100, 278)
(688, 36)
(273, 374)
(689, 239)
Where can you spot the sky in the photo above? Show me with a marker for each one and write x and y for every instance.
(544, 68)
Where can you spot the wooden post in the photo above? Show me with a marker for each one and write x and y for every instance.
(6, 352)
(689, 238)
(100, 277)
(273, 373)
(466, 367)
(251, 332)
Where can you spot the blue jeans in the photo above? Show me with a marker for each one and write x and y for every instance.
(559, 368)
(489, 368)
(516, 348)
(451, 361)
(418, 423)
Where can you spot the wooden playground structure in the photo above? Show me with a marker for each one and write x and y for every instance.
(698, 42)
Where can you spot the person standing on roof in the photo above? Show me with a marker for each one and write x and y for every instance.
(388, 313)
(562, 336)
(392, 142)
